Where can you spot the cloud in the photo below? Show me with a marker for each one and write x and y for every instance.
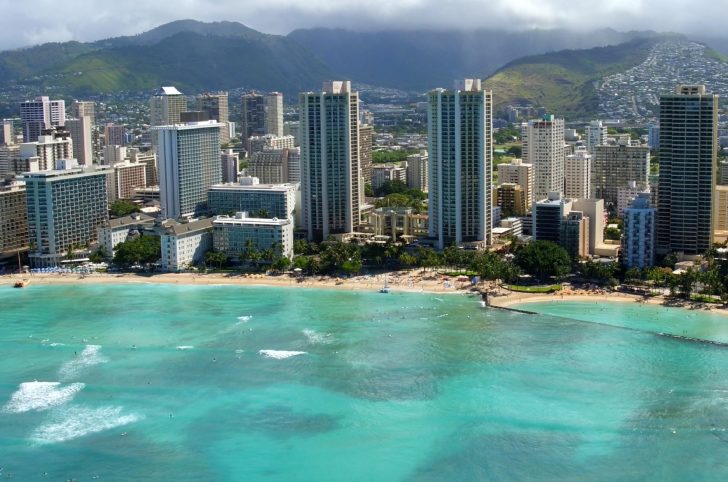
(35, 21)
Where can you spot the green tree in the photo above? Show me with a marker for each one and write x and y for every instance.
(122, 208)
(384, 157)
(140, 250)
(613, 234)
(368, 190)
(543, 260)
(406, 259)
(213, 257)
(281, 263)
(261, 213)
(99, 255)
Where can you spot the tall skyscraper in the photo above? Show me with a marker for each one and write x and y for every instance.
(80, 130)
(545, 151)
(274, 114)
(688, 152)
(40, 114)
(217, 108)
(616, 167)
(596, 135)
(80, 108)
(330, 172)
(577, 174)
(366, 137)
(189, 163)
(460, 133)
(252, 116)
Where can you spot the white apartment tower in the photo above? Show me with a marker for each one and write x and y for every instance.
(460, 133)
(188, 164)
(274, 114)
(330, 173)
(578, 174)
(544, 149)
(596, 135)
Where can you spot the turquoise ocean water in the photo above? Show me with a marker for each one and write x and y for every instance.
(167, 382)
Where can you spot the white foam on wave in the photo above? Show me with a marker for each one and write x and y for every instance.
(75, 422)
(316, 338)
(90, 356)
(245, 319)
(280, 354)
(39, 396)
(185, 347)
(56, 344)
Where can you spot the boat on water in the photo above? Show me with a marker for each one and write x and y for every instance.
(385, 288)
(21, 283)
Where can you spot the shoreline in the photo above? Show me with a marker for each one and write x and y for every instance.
(511, 299)
(398, 281)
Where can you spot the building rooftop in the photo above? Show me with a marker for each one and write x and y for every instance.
(242, 218)
(179, 229)
(168, 90)
(234, 186)
(131, 220)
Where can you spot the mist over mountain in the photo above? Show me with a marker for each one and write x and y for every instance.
(424, 59)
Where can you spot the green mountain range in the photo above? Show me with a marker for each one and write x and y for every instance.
(197, 56)
(192, 55)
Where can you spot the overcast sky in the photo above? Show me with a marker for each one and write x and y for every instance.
(29, 22)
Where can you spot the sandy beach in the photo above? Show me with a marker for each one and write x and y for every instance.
(406, 280)
(508, 299)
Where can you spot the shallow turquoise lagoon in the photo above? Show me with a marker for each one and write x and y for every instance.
(167, 382)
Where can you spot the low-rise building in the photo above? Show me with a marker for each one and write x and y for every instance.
(185, 244)
(384, 173)
(234, 235)
(117, 230)
(399, 224)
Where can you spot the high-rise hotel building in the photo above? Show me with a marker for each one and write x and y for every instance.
(65, 208)
(330, 171)
(688, 150)
(460, 133)
(543, 147)
(188, 158)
